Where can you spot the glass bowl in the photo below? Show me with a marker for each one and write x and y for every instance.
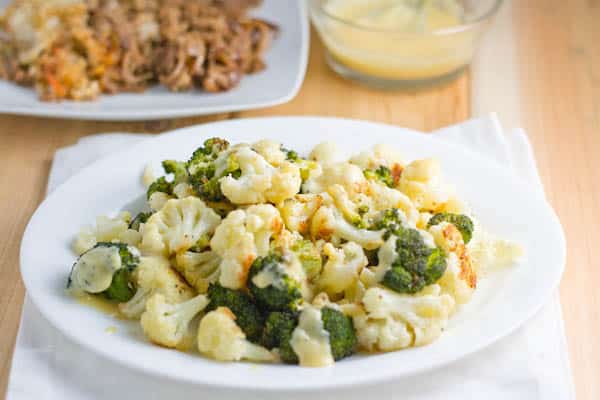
(387, 57)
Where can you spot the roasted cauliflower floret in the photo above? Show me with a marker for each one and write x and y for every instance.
(329, 224)
(259, 181)
(107, 229)
(379, 155)
(271, 151)
(385, 198)
(157, 200)
(178, 226)
(352, 212)
(221, 339)
(342, 268)
(198, 269)
(298, 211)
(241, 237)
(348, 175)
(394, 321)
(456, 280)
(183, 190)
(168, 324)
(461, 279)
(488, 252)
(154, 275)
(285, 183)
(326, 153)
(383, 334)
(421, 182)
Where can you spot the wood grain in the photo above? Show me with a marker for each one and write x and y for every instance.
(560, 87)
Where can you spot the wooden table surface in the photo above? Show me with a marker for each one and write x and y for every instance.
(559, 80)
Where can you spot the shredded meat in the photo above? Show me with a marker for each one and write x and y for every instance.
(112, 46)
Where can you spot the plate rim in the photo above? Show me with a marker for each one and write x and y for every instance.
(356, 380)
(176, 112)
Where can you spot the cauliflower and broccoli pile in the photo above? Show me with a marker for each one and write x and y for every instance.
(255, 253)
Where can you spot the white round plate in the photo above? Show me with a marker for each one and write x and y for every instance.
(505, 300)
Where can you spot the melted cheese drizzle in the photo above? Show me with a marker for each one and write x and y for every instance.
(94, 270)
(100, 304)
(387, 254)
(310, 340)
(271, 276)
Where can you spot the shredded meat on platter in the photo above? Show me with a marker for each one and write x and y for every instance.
(78, 49)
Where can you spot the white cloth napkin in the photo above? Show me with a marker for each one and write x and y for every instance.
(530, 364)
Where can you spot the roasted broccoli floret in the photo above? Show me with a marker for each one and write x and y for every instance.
(382, 174)
(207, 165)
(271, 284)
(416, 265)
(248, 316)
(463, 223)
(164, 185)
(178, 169)
(139, 219)
(160, 185)
(278, 328)
(106, 269)
(208, 152)
(309, 257)
(390, 221)
(342, 337)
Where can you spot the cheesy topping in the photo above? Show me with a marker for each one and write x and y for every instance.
(310, 340)
(94, 271)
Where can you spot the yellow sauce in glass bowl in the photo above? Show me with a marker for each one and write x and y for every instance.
(396, 39)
